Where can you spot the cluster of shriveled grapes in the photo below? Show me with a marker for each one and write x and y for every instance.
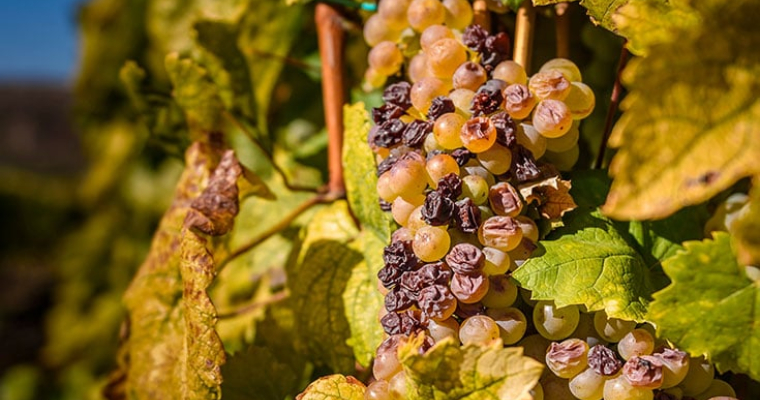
(454, 143)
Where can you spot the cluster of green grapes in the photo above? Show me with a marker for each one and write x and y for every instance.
(461, 130)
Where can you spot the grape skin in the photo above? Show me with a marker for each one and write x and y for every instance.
(555, 323)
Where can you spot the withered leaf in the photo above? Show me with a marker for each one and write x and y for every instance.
(552, 196)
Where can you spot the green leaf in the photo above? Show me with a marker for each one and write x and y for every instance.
(196, 94)
(746, 229)
(675, 148)
(363, 301)
(448, 371)
(336, 387)
(360, 173)
(173, 349)
(601, 11)
(711, 307)
(515, 4)
(317, 279)
(646, 23)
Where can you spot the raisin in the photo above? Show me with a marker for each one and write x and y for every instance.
(487, 99)
(389, 133)
(524, 166)
(405, 322)
(441, 105)
(386, 112)
(506, 129)
(450, 186)
(398, 94)
(401, 255)
(467, 259)
(474, 37)
(415, 133)
(495, 50)
(389, 276)
(437, 209)
(398, 299)
(462, 156)
(603, 360)
(437, 302)
(467, 215)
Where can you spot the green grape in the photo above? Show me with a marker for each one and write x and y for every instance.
(478, 330)
(555, 323)
(415, 220)
(726, 213)
(418, 68)
(446, 130)
(378, 390)
(518, 101)
(444, 57)
(522, 252)
(586, 331)
(424, 91)
(478, 134)
(620, 389)
(431, 144)
(402, 234)
(431, 243)
(423, 13)
(408, 177)
(587, 385)
(473, 167)
(440, 330)
(501, 292)
(386, 365)
(373, 80)
(385, 58)
(469, 75)
(552, 118)
(698, 378)
(500, 232)
(476, 188)
(675, 366)
(384, 189)
(566, 141)
(637, 342)
(529, 227)
(496, 160)
(457, 237)
(528, 137)
(556, 388)
(433, 34)
(439, 166)
(458, 13)
(497, 261)
(510, 72)
(397, 386)
(549, 85)
(393, 13)
(565, 160)
(717, 388)
(402, 208)
(565, 66)
(580, 100)
(376, 31)
(526, 295)
(462, 99)
(612, 329)
(568, 358)
(511, 321)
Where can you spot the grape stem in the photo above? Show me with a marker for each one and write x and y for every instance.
(617, 90)
(524, 27)
(332, 37)
(275, 298)
(481, 15)
(562, 28)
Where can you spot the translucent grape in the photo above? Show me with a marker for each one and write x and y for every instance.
(424, 91)
(717, 388)
(447, 130)
(440, 330)
(378, 390)
(469, 75)
(518, 101)
(555, 323)
(587, 385)
(528, 136)
(565, 66)
(552, 118)
(384, 189)
(510, 72)
(496, 160)
(612, 329)
(385, 58)
(408, 177)
(635, 343)
(439, 166)
(377, 31)
(565, 160)
(418, 68)
(473, 167)
(698, 378)
(497, 261)
(431, 144)
(373, 80)
(402, 208)
(415, 220)
(431, 243)
(580, 100)
(511, 321)
(444, 57)
(675, 365)
(397, 386)
(568, 358)
(478, 134)
(458, 13)
(423, 13)
(549, 85)
(529, 227)
(432, 34)
(620, 389)
(500, 232)
(501, 293)
(476, 188)
(462, 99)
(479, 330)
(394, 13)
(556, 388)
(564, 142)
(386, 365)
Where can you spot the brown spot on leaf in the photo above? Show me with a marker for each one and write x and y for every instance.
(214, 211)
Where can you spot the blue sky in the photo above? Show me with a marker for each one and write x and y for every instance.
(38, 40)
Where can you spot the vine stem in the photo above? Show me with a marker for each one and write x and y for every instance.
(276, 298)
(617, 90)
(562, 28)
(480, 14)
(320, 198)
(524, 27)
(332, 37)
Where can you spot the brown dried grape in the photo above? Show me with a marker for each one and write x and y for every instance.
(437, 302)
(386, 112)
(550, 84)
(675, 365)
(518, 101)
(467, 216)
(506, 129)
(389, 276)
(500, 232)
(406, 322)
(603, 360)
(505, 200)
(478, 134)
(415, 133)
(398, 299)
(468, 310)
(440, 105)
(644, 372)
(470, 76)
(488, 98)
(462, 156)
(524, 167)
(495, 50)
(466, 259)
(400, 255)
(567, 358)
(437, 209)
(469, 288)
(474, 37)
(449, 186)
(397, 94)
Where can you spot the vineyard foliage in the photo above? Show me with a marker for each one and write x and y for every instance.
(211, 264)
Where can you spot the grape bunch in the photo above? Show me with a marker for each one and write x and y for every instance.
(462, 129)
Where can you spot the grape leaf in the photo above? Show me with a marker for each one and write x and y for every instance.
(711, 307)
(196, 94)
(646, 23)
(317, 279)
(173, 349)
(746, 229)
(360, 173)
(448, 371)
(601, 11)
(674, 148)
(363, 301)
(337, 387)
